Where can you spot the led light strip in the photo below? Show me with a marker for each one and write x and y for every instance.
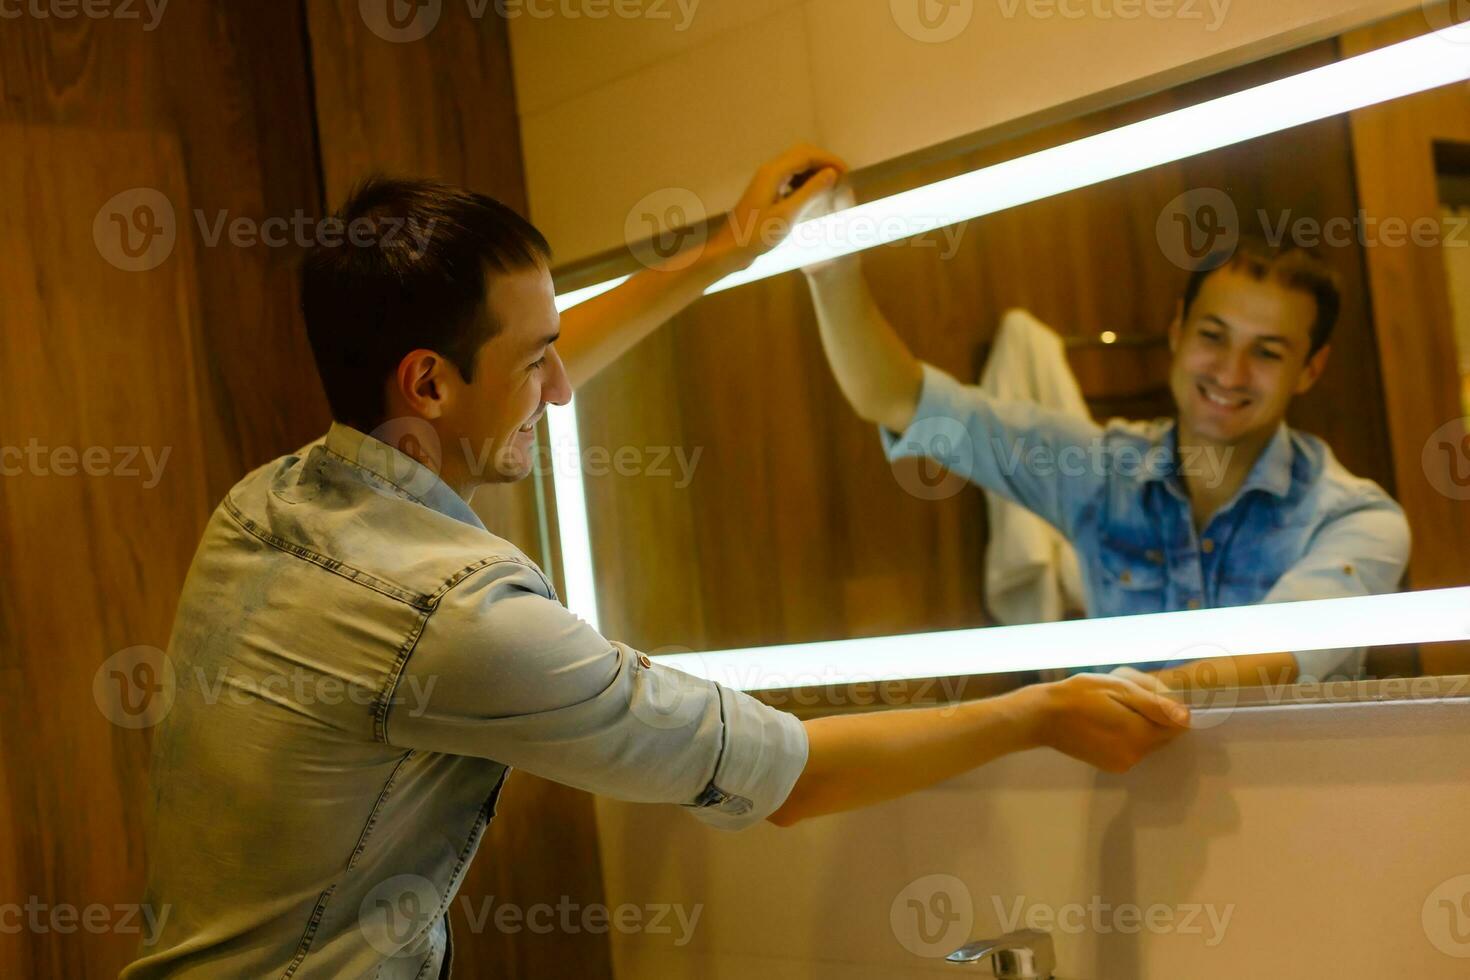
(1401, 69)
(1320, 624)
(571, 512)
(1426, 62)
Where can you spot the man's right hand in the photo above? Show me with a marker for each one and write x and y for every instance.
(1104, 720)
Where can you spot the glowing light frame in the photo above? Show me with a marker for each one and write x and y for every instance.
(1439, 58)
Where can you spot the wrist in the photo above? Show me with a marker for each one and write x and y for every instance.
(1033, 713)
(725, 253)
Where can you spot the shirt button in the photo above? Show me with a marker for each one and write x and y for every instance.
(644, 661)
(1347, 569)
(1156, 556)
(1125, 577)
(1208, 545)
(1193, 603)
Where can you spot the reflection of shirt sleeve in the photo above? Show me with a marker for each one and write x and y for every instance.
(1363, 552)
(1046, 461)
(503, 672)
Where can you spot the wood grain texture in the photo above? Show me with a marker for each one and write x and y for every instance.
(444, 106)
(201, 357)
(1394, 151)
(794, 528)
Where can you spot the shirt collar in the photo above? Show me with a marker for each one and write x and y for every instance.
(405, 474)
(1271, 472)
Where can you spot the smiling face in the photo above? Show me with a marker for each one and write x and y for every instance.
(1240, 357)
(518, 373)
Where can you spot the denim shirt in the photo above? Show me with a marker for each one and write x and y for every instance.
(1300, 527)
(355, 663)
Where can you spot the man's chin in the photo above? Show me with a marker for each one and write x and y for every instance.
(514, 461)
(1216, 433)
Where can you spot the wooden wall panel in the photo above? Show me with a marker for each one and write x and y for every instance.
(443, 105)
(801, 531)
(1394, 150)
(201, 357)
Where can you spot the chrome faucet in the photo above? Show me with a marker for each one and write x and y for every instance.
(1024, 955)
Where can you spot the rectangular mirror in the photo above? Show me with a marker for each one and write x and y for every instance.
(1141, 400)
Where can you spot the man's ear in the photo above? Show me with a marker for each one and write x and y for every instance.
(1313, 369)
(420, 383)
(1176, 327)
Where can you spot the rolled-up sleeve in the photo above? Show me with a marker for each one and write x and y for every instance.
(1363, 552)
(1045, 460)
(502, 671)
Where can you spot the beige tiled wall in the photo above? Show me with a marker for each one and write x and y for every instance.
(1328, 842)
(696, 94)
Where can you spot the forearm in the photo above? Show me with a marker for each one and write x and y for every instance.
(1257, 670)
(858, 760)
(599, 331)
(877, 373)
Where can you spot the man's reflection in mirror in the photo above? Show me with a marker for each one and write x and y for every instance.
(1222, 504)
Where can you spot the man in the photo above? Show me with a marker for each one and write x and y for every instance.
(1223, 505)
(384, 658)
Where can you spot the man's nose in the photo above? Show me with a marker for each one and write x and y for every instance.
(558, 390)
(1233, 371)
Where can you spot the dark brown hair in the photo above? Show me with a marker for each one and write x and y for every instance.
(406, 269)
(1291, 265)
